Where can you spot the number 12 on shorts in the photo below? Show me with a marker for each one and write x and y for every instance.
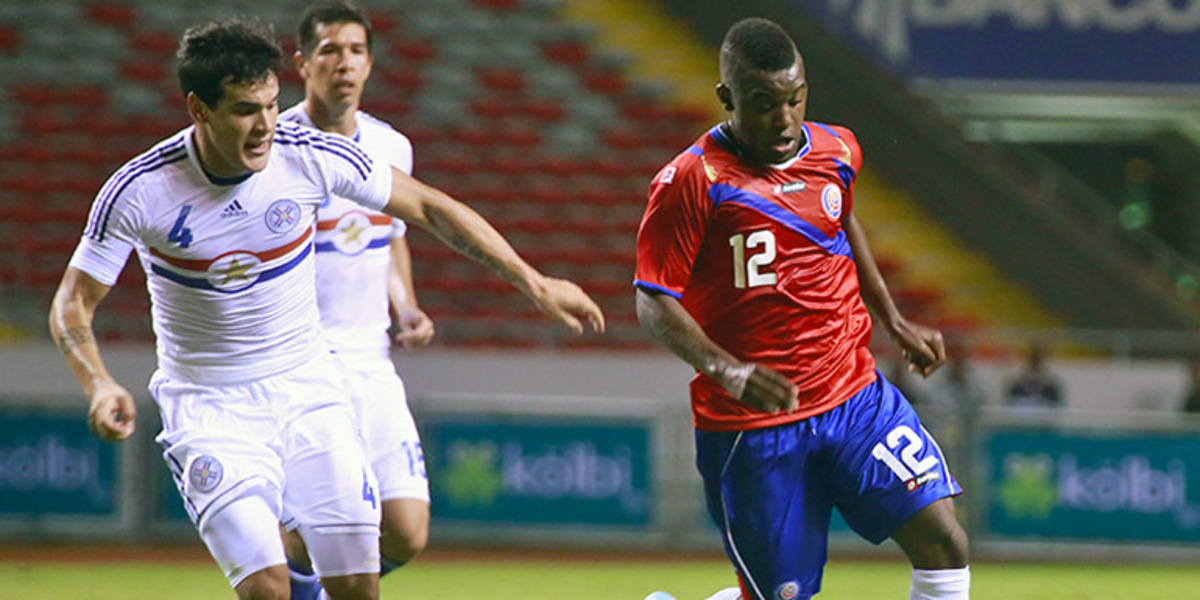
(907, 467)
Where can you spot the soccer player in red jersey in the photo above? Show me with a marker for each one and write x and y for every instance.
(752, 268)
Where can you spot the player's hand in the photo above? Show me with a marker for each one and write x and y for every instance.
(416, 328)
(761, 388)
(566, 303)
(112, 414)
(924, 348)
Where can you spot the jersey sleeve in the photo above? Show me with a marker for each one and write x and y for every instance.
(673, 227)
(849, 165)
(111, 233)
(353, 175)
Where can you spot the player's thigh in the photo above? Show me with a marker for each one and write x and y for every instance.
(405, 528)
(218, 445)
(763, 489)
(243, 537)
(889, 467)
(330, 494)
(933, 538)
(393, 442)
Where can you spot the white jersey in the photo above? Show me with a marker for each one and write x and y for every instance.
(353, 248)
(228, 263)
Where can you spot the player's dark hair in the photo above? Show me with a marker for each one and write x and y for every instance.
(326, 12)
(759, 44)
(235, 51)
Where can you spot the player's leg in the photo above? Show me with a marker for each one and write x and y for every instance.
(405, 532)
(244, 542)
(936, 545)
(330, 491)
(394, 449)
(893, 481)
(762, 490)
(215, 443)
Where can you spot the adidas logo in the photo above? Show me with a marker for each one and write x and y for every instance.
(234, 209)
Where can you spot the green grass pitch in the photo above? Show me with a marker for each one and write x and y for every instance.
(497, 579)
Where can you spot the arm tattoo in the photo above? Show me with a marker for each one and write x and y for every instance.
(73, 337)
(472, 250)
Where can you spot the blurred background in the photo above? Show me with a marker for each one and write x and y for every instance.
(1031, 186)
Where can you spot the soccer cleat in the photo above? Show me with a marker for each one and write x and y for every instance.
(659, 595)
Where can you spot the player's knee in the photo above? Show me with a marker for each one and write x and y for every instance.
(267, 584)
(352, 587)
(404, 544)
(405, 530)
(934, 539)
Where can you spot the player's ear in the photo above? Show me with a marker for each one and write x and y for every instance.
(197, 109)
(301, 62)
(725, 95)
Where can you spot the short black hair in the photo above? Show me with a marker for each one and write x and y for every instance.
(757, 43)
(326, 12)
(236, 50)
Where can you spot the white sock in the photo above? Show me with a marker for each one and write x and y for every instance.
(940, 584)
(727, 594)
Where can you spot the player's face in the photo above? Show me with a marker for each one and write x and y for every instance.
(235, 136)
(339, 66)
(768, 112)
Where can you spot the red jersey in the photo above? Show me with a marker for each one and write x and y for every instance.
(757, 255)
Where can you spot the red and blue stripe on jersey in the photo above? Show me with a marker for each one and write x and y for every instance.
(759, 258)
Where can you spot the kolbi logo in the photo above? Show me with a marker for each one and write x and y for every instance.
(1130, 484)
(575, 470)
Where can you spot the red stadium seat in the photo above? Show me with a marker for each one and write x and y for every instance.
(10, 40)
(112, 14)
(416, 50)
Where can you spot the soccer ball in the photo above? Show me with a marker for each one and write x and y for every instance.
(659, 596)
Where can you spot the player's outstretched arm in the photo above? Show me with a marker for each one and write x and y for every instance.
(416, 328)
(923, 346)
(468, 233)
(754, 385)
(112, 411)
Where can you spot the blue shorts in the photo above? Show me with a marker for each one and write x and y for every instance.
(771, 491)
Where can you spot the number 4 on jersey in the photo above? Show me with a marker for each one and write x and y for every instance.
(179, 234)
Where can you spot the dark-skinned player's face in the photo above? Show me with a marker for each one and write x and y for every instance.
(767, 111)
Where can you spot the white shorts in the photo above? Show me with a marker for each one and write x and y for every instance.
(288, 443)
(393, 444)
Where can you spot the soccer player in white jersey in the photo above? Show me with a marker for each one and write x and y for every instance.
(256, 416)
(357, 250)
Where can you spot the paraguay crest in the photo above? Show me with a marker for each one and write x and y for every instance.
(283, 215)
(206, 474)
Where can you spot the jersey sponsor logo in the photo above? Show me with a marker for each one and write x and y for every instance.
(787, 590)
(283, 216)
(234, 209)
(791, 187)
(668, 175)
(831, 201)
(206, 474)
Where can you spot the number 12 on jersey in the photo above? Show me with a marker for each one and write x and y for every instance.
(756, 270)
